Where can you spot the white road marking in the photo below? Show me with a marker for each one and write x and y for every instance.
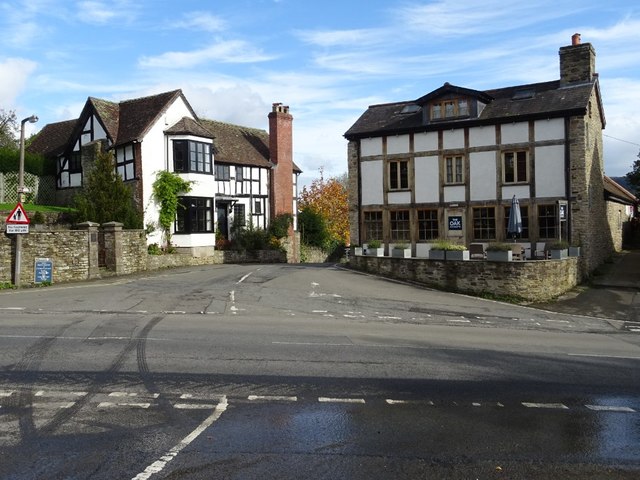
(275, 398)
(340, 400)
(195, 406)
(123, 394)
(315, 343)
(159, 465)
(476, 404)
(125, 404)
(50, 405)
(608, 408)
(460, 321)
(5, 393)
(598, 355)
(12, 308)
(559, 406)
(319, 311)
(243, 278)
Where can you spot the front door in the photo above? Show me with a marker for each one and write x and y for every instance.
(222, 209)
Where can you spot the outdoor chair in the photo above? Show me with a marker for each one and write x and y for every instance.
(517, 251)
(476, 250)
(541, 252)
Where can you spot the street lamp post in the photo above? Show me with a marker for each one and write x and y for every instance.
(16, 273)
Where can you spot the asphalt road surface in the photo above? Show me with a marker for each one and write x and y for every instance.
(306, 371)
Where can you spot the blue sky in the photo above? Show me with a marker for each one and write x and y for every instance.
(327, 60)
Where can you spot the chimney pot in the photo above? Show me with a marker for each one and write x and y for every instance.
(575, 39)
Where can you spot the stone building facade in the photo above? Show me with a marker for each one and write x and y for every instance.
(448, 165)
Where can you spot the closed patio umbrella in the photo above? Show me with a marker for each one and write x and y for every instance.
(514, 227)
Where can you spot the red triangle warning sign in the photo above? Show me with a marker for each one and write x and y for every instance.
(18, 215)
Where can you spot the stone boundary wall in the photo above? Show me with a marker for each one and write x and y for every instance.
(533, 281)
(74, 254)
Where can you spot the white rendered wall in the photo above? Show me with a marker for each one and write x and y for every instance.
(552, 129)
(397, 144)
(482, 136)
(371, 173)
(156, 156)
(398, 198)
(482, 170)
(454, 194)
(550, 181)
(453, 138)
(514, 132)
(427, 179)
(520, 191)
(370, 146)
(425, 142)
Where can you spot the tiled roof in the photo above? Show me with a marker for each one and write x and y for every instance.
(547, 99)
(138, 115)
(188, 126)
(240, 145)
(616, 192)
(52, 139)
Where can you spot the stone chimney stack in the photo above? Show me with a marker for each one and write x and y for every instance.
(281, 152)
(577, 62)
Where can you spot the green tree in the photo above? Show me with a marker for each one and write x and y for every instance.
(8, 129)
(166, 190)
(634, 176)
(313, 228)
(106, 198)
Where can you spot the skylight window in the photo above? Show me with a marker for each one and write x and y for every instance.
(411, 108)
(524, 94)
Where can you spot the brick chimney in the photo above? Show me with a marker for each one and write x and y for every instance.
(577, 62)
(281, 152)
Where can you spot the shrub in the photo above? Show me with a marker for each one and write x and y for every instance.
(374, 244)
(498, 247)
(279, 226)
(444, 244)
(313, 229)
(559, 245)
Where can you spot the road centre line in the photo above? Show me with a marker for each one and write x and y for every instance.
(559, 406)
(159, 465)
(340, 400)
(275, 398)
(125, 404)
(610, 408)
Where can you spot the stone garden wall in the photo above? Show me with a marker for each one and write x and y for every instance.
(533, 281)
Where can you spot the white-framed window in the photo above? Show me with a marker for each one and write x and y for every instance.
(515, 166)
(454, 169)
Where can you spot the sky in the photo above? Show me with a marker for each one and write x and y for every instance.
(328, 61)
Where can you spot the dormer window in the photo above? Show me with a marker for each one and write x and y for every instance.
(449, 108)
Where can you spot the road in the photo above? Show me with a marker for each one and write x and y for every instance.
(307, 371)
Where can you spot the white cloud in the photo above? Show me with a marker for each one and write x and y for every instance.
(15, 79)
(203, 21)
(101, 13)
(233, 51)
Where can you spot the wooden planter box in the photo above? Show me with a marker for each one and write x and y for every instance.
(499, 255)
(457, 255)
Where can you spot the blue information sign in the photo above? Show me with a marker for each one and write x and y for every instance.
(43, 270)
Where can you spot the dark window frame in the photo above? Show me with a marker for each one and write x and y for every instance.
(190, 156)
(428, 224)
(400, 223)
(454, 169)
(125, 162)
(484, 223)
(194, 215)
(548, 221)
(373, 225)
(515, 166)
(399, 174)
(222, 172)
